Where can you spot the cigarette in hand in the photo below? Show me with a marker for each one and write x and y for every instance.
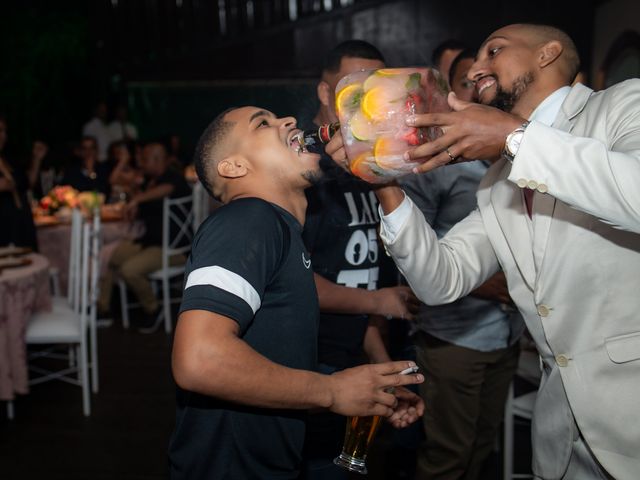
(409, 370)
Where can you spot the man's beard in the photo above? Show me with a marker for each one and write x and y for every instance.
(506, 100)
(314, 177)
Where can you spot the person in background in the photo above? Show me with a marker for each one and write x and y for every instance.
(444, 54)
(97, 128)
(246, 340)
(125, 178)
(133, 260)
(15, 210)
(120, 129)
(341, 235)
(559, 213)
(177, 158)
(39, 151)
(459, 83)
(87, 173)
(468, 349)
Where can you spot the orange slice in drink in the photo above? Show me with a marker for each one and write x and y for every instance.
(361, 167)
(375, 103)
(388, 152)
(348, 99)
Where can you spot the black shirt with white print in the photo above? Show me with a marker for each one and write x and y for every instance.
(340, 232)
(248, 263)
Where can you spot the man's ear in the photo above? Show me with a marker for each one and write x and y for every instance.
(324, 94)
(233, 166)
(549, 53)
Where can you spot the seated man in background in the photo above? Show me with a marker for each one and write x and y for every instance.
(133, 260)
(246, 339)
(87, 173)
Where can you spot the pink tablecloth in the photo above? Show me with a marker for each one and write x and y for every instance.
(54, 241)
(23, 291)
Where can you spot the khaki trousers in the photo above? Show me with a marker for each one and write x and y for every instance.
(133, 263)
(464, 394)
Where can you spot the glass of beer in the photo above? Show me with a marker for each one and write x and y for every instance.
(357, 438)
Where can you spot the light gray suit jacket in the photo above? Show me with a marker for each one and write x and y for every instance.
(573, 270)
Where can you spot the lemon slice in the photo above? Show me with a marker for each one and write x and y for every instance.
(361, 128)
(348, 98)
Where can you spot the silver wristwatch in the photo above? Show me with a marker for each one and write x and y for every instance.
(512, 143)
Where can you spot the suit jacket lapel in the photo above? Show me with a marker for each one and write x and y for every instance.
(511, 214)
(544, 204)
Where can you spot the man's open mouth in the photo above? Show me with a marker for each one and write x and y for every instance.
(294, 141)
(484, 83)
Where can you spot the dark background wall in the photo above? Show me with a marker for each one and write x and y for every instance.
(178, 62)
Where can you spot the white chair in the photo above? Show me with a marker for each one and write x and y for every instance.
(71, 323)
(177, 212)
(94, 292)
(519, 407)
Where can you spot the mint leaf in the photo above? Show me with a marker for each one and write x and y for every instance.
(413, 82)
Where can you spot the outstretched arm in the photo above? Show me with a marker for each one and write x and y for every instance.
(210, 358)
(597, 174)
(396, 302)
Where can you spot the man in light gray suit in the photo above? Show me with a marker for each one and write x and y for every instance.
(560, 214)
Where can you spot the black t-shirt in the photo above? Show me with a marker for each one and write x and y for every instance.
(341, 234)
(248, 263)
(79, 178)
(151, 212)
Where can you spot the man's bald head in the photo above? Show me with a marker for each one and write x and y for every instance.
(568, 62)
(214, 144)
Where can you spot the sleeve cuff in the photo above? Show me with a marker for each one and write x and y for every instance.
(393, 222)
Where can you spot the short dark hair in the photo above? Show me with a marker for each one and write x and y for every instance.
(468, 53)
(155, 141)
(451, 44)
(206, 155)
(571, 57)
(350, 49)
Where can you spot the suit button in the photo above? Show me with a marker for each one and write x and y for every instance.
(522, 182)
(562, 361)
(543, 310)
(532, 184)
(542, 188)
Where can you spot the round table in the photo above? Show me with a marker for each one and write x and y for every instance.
(54, 240)
(23, 291)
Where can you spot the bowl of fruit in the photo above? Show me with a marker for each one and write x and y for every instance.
(373, 106)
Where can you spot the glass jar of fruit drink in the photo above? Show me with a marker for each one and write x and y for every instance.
(372, 107)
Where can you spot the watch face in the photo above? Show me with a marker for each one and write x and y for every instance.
(513, 142)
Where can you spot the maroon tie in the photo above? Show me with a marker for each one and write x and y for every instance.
(528, 199)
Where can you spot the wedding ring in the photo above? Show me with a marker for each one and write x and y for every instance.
(449, 153)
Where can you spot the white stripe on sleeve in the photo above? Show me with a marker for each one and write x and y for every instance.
(225, 280)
